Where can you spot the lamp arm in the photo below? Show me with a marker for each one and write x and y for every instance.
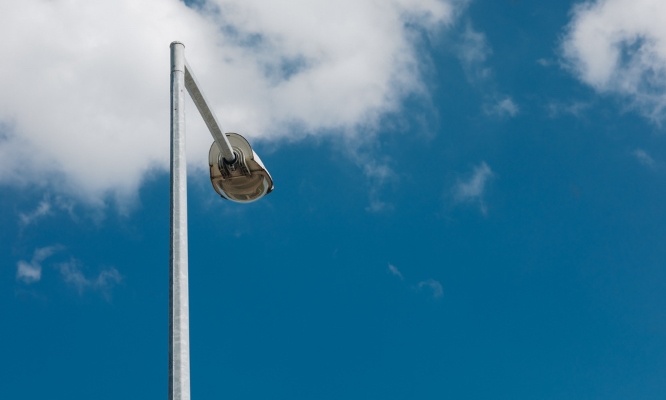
(207, 114)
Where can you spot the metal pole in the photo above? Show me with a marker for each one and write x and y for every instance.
(179, 320)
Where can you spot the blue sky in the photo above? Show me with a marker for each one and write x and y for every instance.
(468, 200)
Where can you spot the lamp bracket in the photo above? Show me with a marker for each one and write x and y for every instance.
(236, 168)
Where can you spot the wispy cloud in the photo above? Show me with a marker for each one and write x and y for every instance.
(393, 270)
(504, 107)
(617, 46)
(28, 272)
(378, 174)
(473, 188)
(72, 273)
(377, 206)
(576, 108)
(432, 285)
(474, 51)
(31, 272)
(644, 158)
(42, 210)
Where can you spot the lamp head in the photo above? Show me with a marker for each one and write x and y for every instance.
(245, 179)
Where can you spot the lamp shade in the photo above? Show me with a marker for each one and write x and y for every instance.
(245, 179)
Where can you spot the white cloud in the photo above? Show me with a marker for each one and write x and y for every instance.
(473, 51)
(434, 286)
(377, 173)
(395, 271)
(575, 108)
(28, 272)
(472, 189)
(71, 272)
(619, 46)
(73, 275)
(644, 158)
(504, 107)
(42, 210)
(84, 105)
(31, 272)
(376, 205)
(544, 62)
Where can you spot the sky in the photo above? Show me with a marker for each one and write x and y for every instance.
(468, 199)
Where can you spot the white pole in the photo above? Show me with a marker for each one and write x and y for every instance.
(179, 320)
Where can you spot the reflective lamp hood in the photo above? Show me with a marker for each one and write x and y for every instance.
(245, 179)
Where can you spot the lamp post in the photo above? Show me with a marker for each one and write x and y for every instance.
(236, 173)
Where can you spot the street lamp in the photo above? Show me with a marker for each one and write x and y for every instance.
(236, 173)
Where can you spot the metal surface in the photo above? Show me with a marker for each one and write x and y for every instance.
(240, 176)
(243, 181)
(179, 329)
(209, 118)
